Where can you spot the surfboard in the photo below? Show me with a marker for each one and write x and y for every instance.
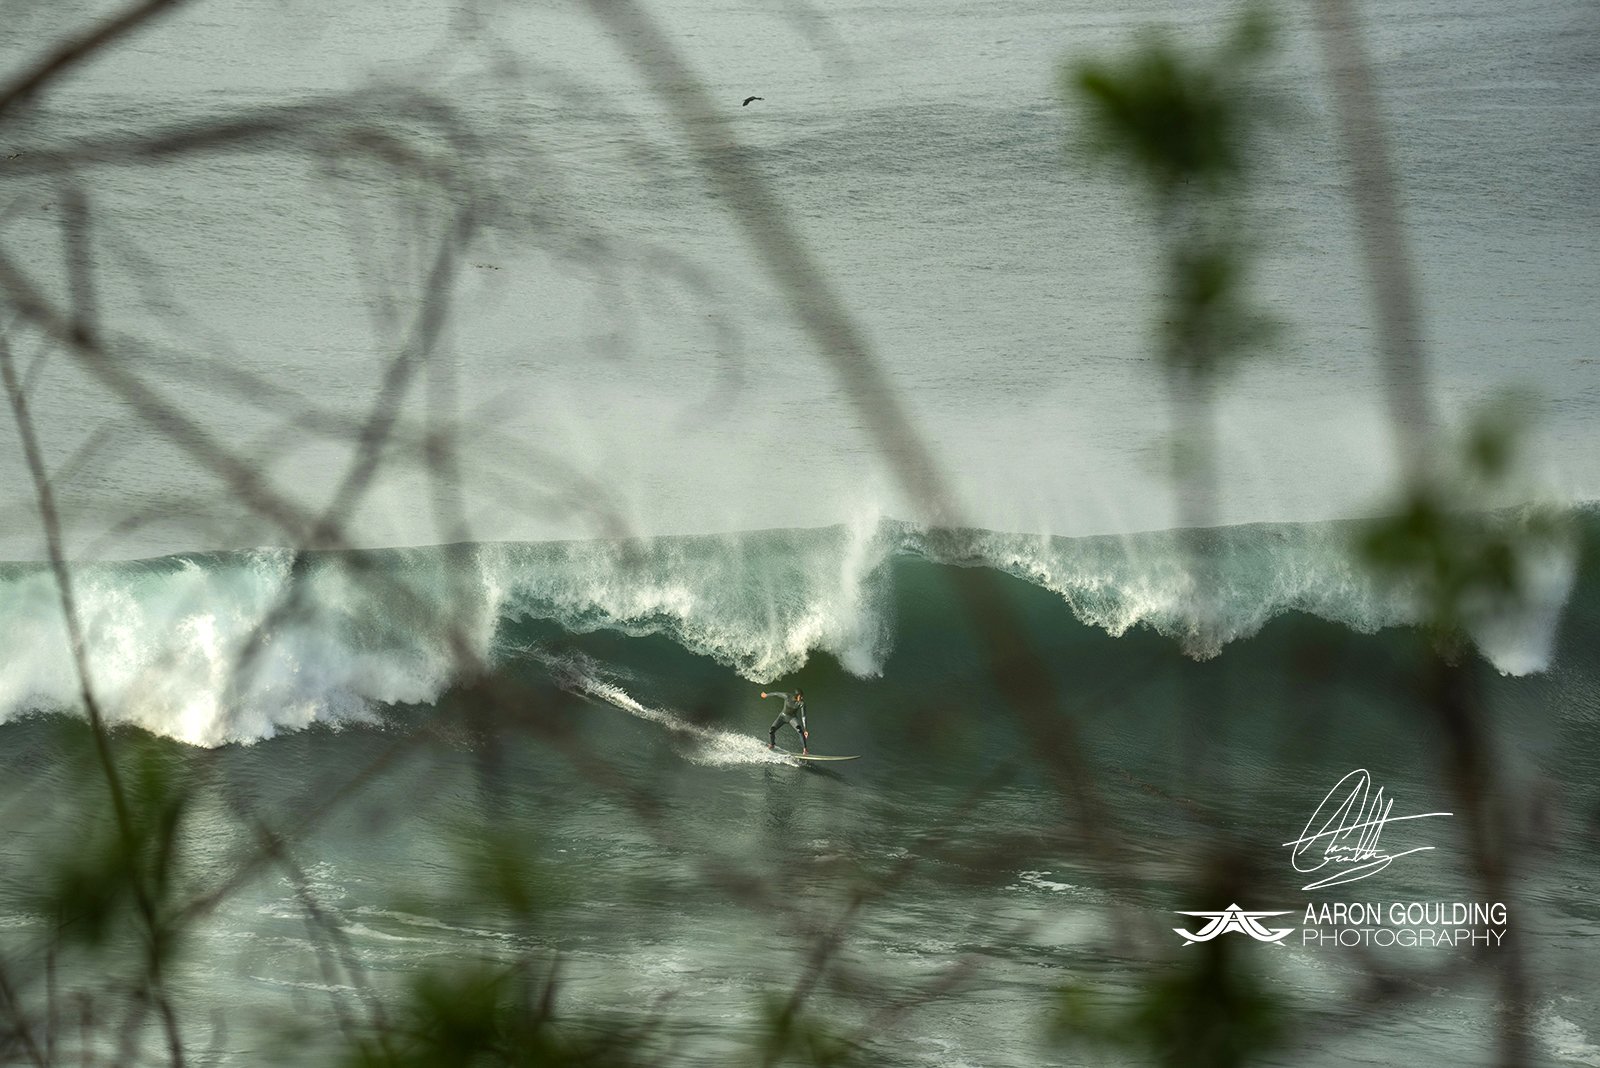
(816, 756)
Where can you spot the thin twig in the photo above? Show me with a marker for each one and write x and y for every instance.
(79, 50)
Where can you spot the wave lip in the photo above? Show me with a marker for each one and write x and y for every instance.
(165, 636)
(760, 603)
(1253, 573)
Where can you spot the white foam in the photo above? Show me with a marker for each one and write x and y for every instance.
(760, 602)
(165, 638)
(1257, 573)
(164, 646)
(1565, 1040)
(1037, 880)
(700, 745)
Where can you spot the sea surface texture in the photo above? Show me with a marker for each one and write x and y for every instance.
(444, 451)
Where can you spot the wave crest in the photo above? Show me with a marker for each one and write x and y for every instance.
(165, 637)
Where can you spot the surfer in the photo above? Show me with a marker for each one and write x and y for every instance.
(794, 714)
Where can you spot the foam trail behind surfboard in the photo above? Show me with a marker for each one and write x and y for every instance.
(699, 745)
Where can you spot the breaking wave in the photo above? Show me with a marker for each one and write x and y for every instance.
(334, 638)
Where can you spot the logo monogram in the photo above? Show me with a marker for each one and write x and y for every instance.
(1233, 918)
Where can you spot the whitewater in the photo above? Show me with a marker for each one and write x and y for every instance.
(167, 637)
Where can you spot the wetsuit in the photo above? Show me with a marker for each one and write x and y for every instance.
(794, 714)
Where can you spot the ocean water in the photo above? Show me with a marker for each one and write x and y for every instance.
(663, 499)
(611, 327)
(685, 870)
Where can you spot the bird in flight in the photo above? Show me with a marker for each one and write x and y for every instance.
(750, 98)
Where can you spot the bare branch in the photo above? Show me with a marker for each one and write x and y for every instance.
(79, 50)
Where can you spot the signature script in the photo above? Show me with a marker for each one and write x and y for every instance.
(1344, 832)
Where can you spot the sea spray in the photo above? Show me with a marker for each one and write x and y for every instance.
(761, 602)
(165, 641)
(165, 636)
(1116, 582)
(701, 745)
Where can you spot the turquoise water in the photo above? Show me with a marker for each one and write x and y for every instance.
(684, 872)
